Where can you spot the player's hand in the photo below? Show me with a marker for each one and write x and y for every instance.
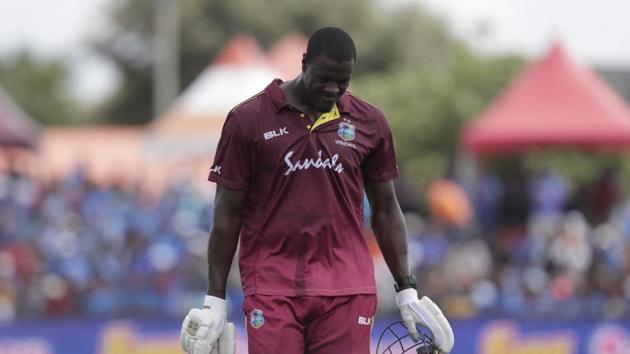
(202, 327)
(425, 313)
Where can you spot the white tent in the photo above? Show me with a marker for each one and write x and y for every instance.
(16, 127)
(190, 128)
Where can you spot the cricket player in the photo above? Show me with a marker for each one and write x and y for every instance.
(291, 168)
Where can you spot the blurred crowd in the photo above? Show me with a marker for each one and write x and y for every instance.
(537, 247)
(71, 247)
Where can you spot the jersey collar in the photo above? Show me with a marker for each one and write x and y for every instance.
(278, 101)
(327, 117)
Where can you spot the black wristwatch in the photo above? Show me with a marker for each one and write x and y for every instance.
(408, 282)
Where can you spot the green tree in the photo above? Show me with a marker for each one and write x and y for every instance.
(385, 37)
(427, 106)
(40, 87)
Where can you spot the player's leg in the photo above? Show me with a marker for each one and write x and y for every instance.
(272, 326)
(344, 325)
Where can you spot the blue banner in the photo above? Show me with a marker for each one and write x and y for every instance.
(162, 337)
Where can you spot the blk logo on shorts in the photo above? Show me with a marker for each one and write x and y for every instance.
(256, 318)
(366, 321)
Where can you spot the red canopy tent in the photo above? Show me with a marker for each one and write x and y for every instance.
(555, 102)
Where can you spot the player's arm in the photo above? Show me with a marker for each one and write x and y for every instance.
(389, 227)
(205, 330)
(228, 211)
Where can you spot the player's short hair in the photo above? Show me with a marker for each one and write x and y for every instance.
(332, 42)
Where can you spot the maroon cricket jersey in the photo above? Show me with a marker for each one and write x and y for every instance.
(302, 222)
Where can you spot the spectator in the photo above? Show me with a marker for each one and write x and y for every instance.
(72, 247)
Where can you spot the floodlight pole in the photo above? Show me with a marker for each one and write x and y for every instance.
(166, 18)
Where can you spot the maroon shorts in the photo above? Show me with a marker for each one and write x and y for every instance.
(309, 324)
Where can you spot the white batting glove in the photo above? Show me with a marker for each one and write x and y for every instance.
(202, 327)
(226, 343)
(425, 313)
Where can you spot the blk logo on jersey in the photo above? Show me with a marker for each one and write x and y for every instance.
(331, 163)
(346, 130)
(256, 318)
(216, 169)
(276, 133)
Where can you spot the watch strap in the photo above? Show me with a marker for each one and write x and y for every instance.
(408, 282)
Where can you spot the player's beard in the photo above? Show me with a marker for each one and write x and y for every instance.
(325, 105)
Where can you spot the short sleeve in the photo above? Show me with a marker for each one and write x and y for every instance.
(380, 165)
(231, 167)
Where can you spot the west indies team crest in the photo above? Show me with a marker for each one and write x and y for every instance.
(256, 318)
(346, 130)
